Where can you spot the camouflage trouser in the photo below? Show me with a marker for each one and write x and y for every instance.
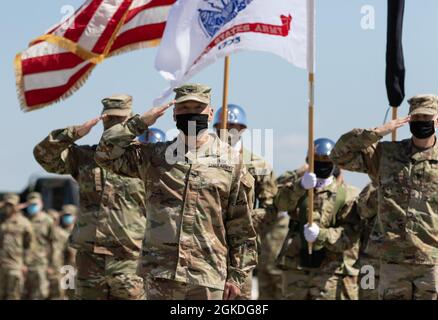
(36, 284)
(11, 284)
(102, 277)
(55, 291)
(316, 285)
(164, 289)
(268, 275)
(408, 282)
(369, 279)
(246, 291)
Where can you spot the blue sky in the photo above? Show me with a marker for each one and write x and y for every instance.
(350, 90)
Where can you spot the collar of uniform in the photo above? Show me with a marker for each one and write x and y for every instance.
(418, 154)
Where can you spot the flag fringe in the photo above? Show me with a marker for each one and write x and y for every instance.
(19, 81)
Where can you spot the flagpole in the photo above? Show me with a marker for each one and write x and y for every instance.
(311, 149)
(394, 117)
(224, 122)
(311, 111)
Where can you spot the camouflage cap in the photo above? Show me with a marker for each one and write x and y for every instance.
(34, 197)
(70, 209)
(117, 105)
(193, 92)
(423, 104)
(11, 198)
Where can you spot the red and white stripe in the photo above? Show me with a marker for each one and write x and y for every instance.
(56, 65)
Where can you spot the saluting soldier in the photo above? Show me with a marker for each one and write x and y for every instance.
(199, 242)
(111, 221)
(406, 174)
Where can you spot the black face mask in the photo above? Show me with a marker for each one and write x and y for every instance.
(422, 129)
(323, 169)
(183, 120)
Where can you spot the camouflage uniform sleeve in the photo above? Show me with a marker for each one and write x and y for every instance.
(367, 202)
(358, 151)
(268, 190)
(241, 236)
(117, 153)
(289, 195)
(28, 240)
(57, 152)
(346, 231)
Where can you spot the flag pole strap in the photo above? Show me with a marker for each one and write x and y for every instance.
(311, 149)
(224, 122)
(394, 117)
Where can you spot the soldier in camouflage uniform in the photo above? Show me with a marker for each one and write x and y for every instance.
(265, 188)
(368, 254)
(330, 272)
(64, 254)
(406, 173)
(16, 237)
(200, 242)
(41, 257)
(111, 222)
(67, 221)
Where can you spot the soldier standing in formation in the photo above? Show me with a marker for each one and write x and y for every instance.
(200, 242)
(41, 256)
(16, 238)
(111, 222)
(329, 273)
(265, 188)
(64, 254)
(406, 173)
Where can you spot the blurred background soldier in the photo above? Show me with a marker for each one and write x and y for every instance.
(152, 135)
(200, 242)
(64, 255)
(16, 237)
(328, 273)
(41, 257)
(111, 220)
(264, 214)
(67, 221)
(406, 173)
(370, 240)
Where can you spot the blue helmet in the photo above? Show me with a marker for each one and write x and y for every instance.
(236, 115)
(152, 135)
(323, 149)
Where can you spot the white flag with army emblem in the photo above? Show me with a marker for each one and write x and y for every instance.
(199, 32)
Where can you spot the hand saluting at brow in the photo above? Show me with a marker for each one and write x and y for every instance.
(151, 116)
(84, 129)
(392, 125)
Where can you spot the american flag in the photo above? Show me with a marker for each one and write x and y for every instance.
(58, 63)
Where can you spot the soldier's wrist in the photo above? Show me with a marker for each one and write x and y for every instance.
(374, 135)
(70, 134)
(237, 278)
(136, 125)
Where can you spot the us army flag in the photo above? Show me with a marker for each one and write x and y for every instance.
(199, 32)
